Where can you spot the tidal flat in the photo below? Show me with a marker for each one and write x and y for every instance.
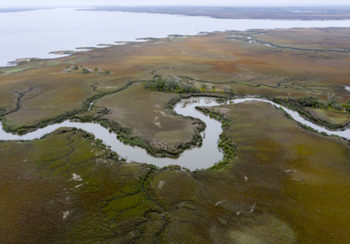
(279, 183)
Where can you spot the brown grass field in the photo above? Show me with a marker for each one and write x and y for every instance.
(143, 112)
(215, 59)
(284, 184)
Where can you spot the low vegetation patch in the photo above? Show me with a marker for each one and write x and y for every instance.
(171, 83)
(85, 70)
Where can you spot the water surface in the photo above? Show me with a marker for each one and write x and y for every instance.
(195, 158)
(36, 33)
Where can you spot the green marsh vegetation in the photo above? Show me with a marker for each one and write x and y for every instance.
(143, 117)
(281, 179)
(331, 113)
(278, 183)
(171, 84)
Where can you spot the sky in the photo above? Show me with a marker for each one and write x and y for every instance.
(43, 3)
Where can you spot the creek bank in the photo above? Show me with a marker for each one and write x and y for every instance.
(225, 143)
(197, 158)
(202, 157)
(297, 106)
(124, 134)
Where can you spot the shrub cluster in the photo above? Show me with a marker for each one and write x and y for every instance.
(170, 84)
(315, 102)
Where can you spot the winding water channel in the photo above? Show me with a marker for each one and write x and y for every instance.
(195, 158)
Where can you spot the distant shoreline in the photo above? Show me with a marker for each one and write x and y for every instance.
(221, 12)
(14, 10)
(166, 24)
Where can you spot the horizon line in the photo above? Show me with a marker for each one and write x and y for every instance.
(175, 5)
